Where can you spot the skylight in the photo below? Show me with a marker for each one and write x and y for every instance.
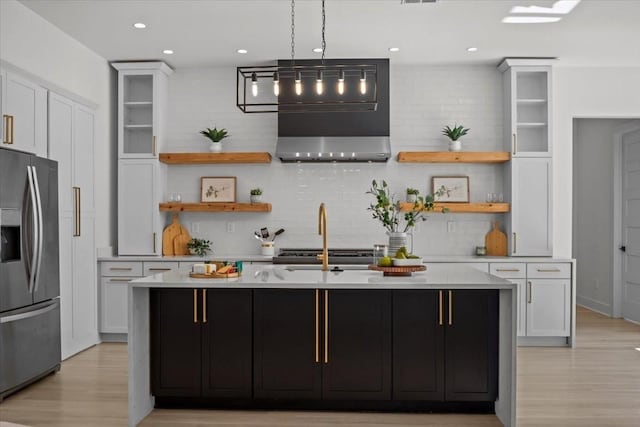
(539, 14)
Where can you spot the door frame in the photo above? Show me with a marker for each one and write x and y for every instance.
(617, 215)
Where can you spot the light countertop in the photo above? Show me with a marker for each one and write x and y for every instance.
(276, 276)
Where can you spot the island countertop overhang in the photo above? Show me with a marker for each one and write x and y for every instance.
(280, 277)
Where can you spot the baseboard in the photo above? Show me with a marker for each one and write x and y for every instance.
(594, 305)
(113, 337)
(543, 342)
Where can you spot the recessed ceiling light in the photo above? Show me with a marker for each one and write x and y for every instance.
(242, 51)
(167, 52)
(472, 49)
(560, 7)
(394, 49)
(139, 25)
(529, 19)
(317, 49)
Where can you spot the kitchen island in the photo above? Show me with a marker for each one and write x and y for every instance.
(355, 319)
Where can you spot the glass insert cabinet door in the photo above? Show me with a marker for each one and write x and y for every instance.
(137, 118)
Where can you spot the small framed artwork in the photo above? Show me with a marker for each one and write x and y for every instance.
(218, 189)
(451, 188)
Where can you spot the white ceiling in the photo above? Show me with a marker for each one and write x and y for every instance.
(208, 32)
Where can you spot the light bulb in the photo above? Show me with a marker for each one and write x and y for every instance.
(319, 83)
(254, 84)
(298, 83)
(276, 84)
(363, 82)
(341, 82)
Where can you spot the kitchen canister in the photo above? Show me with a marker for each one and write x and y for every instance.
(267, 248)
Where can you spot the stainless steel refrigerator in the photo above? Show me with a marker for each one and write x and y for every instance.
(29, 270)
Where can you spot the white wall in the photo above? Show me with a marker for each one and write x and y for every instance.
(423, 100)
(579, 93)
(36, 46)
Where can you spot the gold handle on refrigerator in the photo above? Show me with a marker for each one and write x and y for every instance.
(204, 306)
(530, 292)
(154, 243)
(195, 306)
(514, 242)
(515, 144)
(317, 326)
(440, 315)
(450, 308)
(153, 145)
(76, 211)
(326, 326)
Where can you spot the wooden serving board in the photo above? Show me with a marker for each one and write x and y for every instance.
(496, 241)
(405, 270)
(180, 244)
(215, 275)
(170, 232)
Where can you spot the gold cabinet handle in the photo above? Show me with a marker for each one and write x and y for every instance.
(154, 243)
(204, 306)
(7, 129)
(317, 326)
(440, 315)
(326, 326)
(120, 268)
(195, 306)
(515, 144)
(514, 242)
(12, 129)
(153, 148)
(530, 292)
(548, 270)
(450, 308)
(159, 269)
(76, 210)
(120, 280)
(508, 269)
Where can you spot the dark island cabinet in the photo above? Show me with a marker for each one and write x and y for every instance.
(201, 343)
(445, 345)
(322, 344)
(357, 357)
(286, 344)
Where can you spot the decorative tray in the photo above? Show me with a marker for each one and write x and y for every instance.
(398, 270)
(215, 275)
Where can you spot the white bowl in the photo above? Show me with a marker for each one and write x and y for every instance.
(400, 262)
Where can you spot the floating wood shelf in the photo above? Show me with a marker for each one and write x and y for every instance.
(454, 156)
(464, 207)
(215, 207)
(209, 158)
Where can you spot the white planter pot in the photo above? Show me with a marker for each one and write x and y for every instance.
(412, 198)
(215, 147)
(455, 145)
(256, 198)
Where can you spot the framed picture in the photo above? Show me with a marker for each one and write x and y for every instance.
(454, 188)
(218, 189)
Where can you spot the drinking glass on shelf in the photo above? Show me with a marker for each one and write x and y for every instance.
(178, 198)
(171, 198)
(491, 197)
(500, 198)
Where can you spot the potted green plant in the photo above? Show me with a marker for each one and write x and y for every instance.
(412, 195)
(454, 134)
(255, 195)
(396, 220)
(215, 135)
(199, 247)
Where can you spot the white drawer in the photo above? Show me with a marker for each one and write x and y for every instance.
(549, 271)
(482, 266)
(156, 267)
(121, 268)
(508, 270)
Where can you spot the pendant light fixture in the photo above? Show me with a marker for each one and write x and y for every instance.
(340, 85)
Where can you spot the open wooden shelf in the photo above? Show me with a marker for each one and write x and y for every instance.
(209, 158)
(464, 207)
(454, 156)
(215, 207)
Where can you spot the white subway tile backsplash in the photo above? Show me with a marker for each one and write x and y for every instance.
(423, 100)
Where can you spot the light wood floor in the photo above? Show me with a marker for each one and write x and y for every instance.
(595, 384)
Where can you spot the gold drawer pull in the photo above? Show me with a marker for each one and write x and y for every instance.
(120, 280)
(159, 269)
(548, 270)
(120, 268)
(508, 269)
(530, 297)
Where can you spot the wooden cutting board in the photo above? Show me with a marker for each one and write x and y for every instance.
(496, 241)
(180, 244)
(170, 232)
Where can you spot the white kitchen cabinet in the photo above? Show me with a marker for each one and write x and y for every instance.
(139, 193)
(529, 223)
(527, 106)
(548, 307)
(71, 144)
(155, 267)
(24, 114)
(113, 305)
(142, 103)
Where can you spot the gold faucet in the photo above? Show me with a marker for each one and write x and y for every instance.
(322, 230)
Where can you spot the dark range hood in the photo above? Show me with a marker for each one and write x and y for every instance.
(344, 136)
